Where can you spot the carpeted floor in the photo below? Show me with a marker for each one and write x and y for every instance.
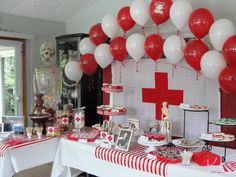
(45, 171)
(40, 171)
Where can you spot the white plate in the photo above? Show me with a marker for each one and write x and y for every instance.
(177, 142)
(151, 143)
(208, 137)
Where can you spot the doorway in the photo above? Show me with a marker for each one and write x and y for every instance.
(12, 85)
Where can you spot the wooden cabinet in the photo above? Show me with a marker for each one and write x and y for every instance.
(88, 91)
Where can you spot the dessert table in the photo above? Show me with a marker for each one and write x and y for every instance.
(27, 155)
(82, 156)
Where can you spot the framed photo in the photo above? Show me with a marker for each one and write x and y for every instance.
(124, 139)
(133, 123)
(1, 127)
(155, 126)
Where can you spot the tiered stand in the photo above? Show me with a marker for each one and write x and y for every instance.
(206, 110)
(208, 146)
(111, 112)
(221, 122)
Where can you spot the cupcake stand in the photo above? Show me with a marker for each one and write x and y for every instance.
(111, 110)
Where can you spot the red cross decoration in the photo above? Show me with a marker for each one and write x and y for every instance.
(50, 130)
(160, 93)
(65, 120)
(77, 119)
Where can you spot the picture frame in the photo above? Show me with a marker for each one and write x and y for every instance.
(133, 123)
(155, 126)
(1, 127)
(124, 139)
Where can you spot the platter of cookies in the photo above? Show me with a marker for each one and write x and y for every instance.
(217, 137)
(188, 143)
(110, 88)
(111, 110)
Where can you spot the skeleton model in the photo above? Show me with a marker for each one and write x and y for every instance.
(48, 77)
(164, 112)
(165, 124)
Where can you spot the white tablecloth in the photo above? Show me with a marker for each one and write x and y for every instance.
(16, 160)
(81, 156)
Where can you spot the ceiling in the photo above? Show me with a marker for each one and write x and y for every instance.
(56, 10)
(62, 10)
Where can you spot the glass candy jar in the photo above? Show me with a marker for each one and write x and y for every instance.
(79, 119)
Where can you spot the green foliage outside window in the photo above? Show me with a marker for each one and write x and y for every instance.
(9, 85)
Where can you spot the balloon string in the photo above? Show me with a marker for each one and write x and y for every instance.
(136, 66)
(123, 63)
(173, 70)
(143, 30)
(124, 34)
(181, 42)
(120, 74)
(179, 66)
(156, 65)
(157, 29)
(198, 74)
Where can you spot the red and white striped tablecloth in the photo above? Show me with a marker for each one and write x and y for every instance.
(4, 147)
(135, 158)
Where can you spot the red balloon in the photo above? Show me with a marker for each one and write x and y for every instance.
(118, 48)
(227, 79)
(200, 22)
(88, 63)
(229, 50)
(193, 53)
(124, 19)
(96, 34)
(154, 46)
(159, 10)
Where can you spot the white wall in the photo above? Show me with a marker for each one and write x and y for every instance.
(42, 30)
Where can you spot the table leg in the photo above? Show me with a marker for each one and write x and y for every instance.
(208, 121)
(224, 157)
(184, 125)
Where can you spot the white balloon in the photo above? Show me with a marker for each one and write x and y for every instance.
(86, 46)
(110, 25)
(220, 31)
(212, 63)
(139, 11)
(73, 71)
(180, 12)
(103, 55)
(173, 48)
(135, 46)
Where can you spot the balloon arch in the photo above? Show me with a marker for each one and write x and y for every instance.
(217, 64)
